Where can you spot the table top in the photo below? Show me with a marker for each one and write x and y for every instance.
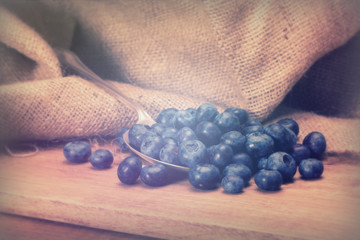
(45, 186)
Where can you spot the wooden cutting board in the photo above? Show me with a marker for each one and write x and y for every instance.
(46, 186)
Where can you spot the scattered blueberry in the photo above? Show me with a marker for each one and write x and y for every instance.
(206, 112)
(300, 152)
(227, 122)
(235, 140)
(316, 142)
(284, 163)
(269, 180)
(204, 176)
(241, 114)
(232, 184)
(77, 151)
(154, 175)
(284, 139)
(192, 152)
(101, 158)
(290, 124)
(259, 144)
(129, 169)
(238, 170)
(220, 155)
(208, 133)
(311, 168)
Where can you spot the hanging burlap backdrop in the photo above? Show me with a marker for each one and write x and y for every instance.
(247, 54)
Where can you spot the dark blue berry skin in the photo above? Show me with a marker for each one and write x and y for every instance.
(290, 124)
(120, 140)
(284, 163)
(154, 175)
(300, 152)
(316, 142)
(185, 134)
(77, 151)
(262, 163)
(259, 145)
(311, 168)
(220, 155)
(241, 114)
(192, 152)
(137, 133)
(169, 132)
(169, 141)
(232, 184)
(167, 117)
(238, 170)
(227, 122)
(101, 158)
(251, 129)
(169, 153)
(129, 170)
(252, 122)
(204, 176)
(235, 140)
(206, 112)
(284, 139)
(157, 128)
(208, 133)
(244, 158)
(268, 180)
(151, 145)
(185, 118)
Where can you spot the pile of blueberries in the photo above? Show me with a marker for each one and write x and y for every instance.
(226, 149)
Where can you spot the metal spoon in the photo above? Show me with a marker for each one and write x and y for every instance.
(72, 61)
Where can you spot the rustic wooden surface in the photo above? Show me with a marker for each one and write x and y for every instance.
(46, 186)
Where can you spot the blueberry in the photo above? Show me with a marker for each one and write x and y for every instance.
(290, 124)
(232, 184)
(238, 170)
(154, 175)
(284, 163)
(244, 158)
(192, 152)
(129, 170)
(262, 163)
(269, 180)
(151, 145)
(311, 168)
(101, 158)
(208, 133)
(241, 114)
(204, 176)
(120, 140)
(251, 129)
(167, 117)
(300, 152)
(235, 140)
(284, 139)
(220, 155)
(169, 141)
(206, 112)
(185, 118)
(136, 134)
(227, 122)
(252, 122)
(157, 128)
(169, 154)
(316, 142)
(259, 144)
(169, 132)
(185, 134)
(77, 151)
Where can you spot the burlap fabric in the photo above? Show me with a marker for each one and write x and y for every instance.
(247, 54)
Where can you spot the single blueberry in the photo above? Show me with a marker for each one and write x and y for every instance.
(151, 145)
(290, 124)
(192, 152)
(137, 133)
(169, 153)
(311, 168)
(235, 140)
(262, 163)
(185, 118)
(239, 170)
(252, 122)
(169, 132)
(244, 158)
(259, 145)
(101, 158)
(300, 152)
(204, 176)
(316, 142)
(284, 163)
(251, 129)
(185, 134)
(158, 128)
(129, 169)
(167, 117)
(120, 140)
(208, 133)
(154, 175)
(284, 139)
(241, 114)
(77, 151)
(269, 180)
(169, 140)
(206, 112)
(220, 155)
(227, 122)
(232, 184)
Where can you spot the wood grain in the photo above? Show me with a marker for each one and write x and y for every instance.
(46, 186)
